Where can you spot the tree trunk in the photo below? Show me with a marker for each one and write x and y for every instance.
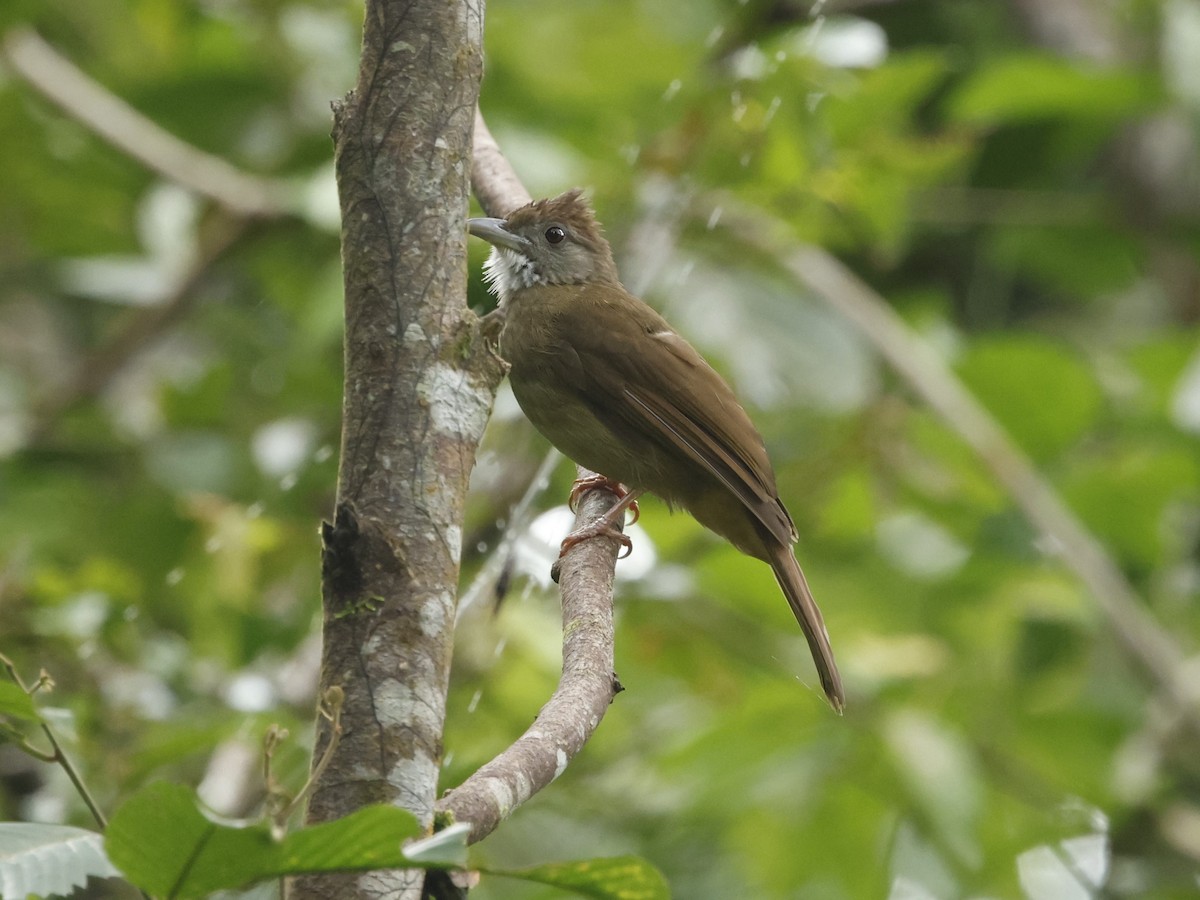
(419, 385)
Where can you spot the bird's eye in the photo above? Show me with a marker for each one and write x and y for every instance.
(555, 235)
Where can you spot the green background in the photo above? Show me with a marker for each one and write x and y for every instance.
(1029, 206)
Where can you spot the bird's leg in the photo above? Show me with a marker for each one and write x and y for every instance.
(600, 482)
(605, 524)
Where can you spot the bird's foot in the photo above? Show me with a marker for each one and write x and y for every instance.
(599, 528)
(604, 526)
(600, 482)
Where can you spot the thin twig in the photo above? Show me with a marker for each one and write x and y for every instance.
(109, 117)
(1137, 632)
(518, 522)
(330, 709)
(244, 197)
(99, 367)
(40, 755)
(59, 755)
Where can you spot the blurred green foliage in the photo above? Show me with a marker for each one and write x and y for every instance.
(1033, 214)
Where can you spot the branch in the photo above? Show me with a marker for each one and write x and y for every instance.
(576, 707)
(493, 179)
(112, 119)
(1136, 631)
(144, 326)
(588, 684)
(243, 197)
(491, 573)
(57, 754)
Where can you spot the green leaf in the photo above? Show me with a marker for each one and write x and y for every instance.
(884, 98)
(1078, 262)
(1127, 495)
(49, 860)
(16, 704)
(1040, 391)
(614, 878)
(1031, 86)
(164, 844)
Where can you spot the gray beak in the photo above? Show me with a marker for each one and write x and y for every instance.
(496, 232)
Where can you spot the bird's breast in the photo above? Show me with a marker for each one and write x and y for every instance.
(553, 391)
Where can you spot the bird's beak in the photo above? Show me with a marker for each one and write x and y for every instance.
(496, 232)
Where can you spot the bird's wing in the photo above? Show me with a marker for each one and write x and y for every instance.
(637, 375)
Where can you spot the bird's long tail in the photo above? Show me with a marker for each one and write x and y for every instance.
(800, 598)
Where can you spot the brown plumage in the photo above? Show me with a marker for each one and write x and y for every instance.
(608, 381)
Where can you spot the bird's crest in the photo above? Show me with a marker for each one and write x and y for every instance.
(570, 210)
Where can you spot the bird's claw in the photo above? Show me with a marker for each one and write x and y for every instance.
(597, 529)
(604, 526)
(593, 482)
(599, 482)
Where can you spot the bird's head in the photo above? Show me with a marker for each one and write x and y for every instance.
(547, 242)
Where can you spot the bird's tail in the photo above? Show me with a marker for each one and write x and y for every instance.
(800, 598)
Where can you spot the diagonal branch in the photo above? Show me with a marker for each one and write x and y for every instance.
(1137, 632)
(588, 684)
(573, 712)
(96, 370)
(109, 117)
(492, 572)
(494, 181)
(242, 197)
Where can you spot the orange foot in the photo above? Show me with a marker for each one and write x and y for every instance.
(596, 529)
(606, 524)
(599, 482)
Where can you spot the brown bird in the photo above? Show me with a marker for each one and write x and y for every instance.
(609, 383)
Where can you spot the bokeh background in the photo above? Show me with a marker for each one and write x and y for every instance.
(1017, 179)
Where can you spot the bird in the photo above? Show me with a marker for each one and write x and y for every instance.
(607, 380)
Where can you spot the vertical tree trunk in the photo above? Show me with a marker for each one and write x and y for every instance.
(418, 390)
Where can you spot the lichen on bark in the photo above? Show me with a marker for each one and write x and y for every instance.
(419, 384)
